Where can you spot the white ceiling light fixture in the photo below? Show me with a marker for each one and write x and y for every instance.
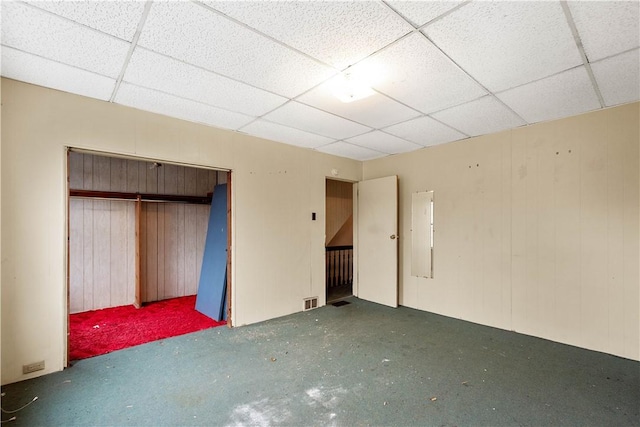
(348, 87)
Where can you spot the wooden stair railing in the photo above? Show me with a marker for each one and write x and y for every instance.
(339, 260)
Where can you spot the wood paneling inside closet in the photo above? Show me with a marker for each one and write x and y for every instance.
(102, 232)
(172, 239)
(101, 254)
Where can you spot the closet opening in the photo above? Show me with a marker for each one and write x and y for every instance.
(142, 264)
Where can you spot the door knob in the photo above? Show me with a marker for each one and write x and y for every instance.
(392, 237)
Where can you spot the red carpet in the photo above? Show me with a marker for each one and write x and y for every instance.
(103, 331)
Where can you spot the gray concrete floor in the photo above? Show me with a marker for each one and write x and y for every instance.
(356, 365)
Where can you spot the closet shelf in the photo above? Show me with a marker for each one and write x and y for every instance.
(145, 197)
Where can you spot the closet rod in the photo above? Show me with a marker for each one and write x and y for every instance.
(145, 197)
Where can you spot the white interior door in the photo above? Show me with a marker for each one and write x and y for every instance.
(378, 240)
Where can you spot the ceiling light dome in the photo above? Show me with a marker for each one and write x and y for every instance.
(348, 88)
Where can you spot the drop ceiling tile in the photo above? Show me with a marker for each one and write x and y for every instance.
(505, 44)
(169, 105)
(606, 27)
(425, 131)
(28, 68)
(376, 111)
(350, 151)
(196, 35)
(383, 142)
(280, 133)
(416, 73)
(320, 28)
(565, 94)
(169, 75)
(35, 31)
(421, 12)
(482, 116)
(118, 18)
(619, 78)
(312, 120)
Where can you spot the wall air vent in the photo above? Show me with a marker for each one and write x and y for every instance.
(310, 303)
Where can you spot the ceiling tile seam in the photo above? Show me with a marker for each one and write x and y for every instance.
(188, 99)
(260, 33)
(206, 103)
(422, 113)
(393, 10)
(261, 117)
(368, 148)
(387, 46)
(360, 146)
(146, 12)
(328, 144)
(615, 55)
(295, 99)
(466, 135)
(250, 123)
(352, 144)
(404, 139)
(338, 115)
(386, 133)
(189, 119)
(58, 62)
(417, 29)
(432, 118)
(140, 47)
(490, 93)
(381, 131)
(430, 115)
(444, 15)
(64, 18)
(539, 80)
(426, 24)
(337, 70)
(282, 142)
(369, 128)
(576, 37)
(132, 47)
(287, 126)
(413, 31)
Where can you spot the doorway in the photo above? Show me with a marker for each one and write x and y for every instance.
(136, 230)
(338, 240)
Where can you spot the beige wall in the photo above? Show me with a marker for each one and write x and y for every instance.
(277, 253)
(536, 229)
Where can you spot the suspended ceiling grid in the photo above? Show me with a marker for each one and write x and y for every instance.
(444, 70)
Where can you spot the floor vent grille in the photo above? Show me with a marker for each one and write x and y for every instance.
(340, 303)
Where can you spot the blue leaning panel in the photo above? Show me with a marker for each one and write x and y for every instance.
(210, 300)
